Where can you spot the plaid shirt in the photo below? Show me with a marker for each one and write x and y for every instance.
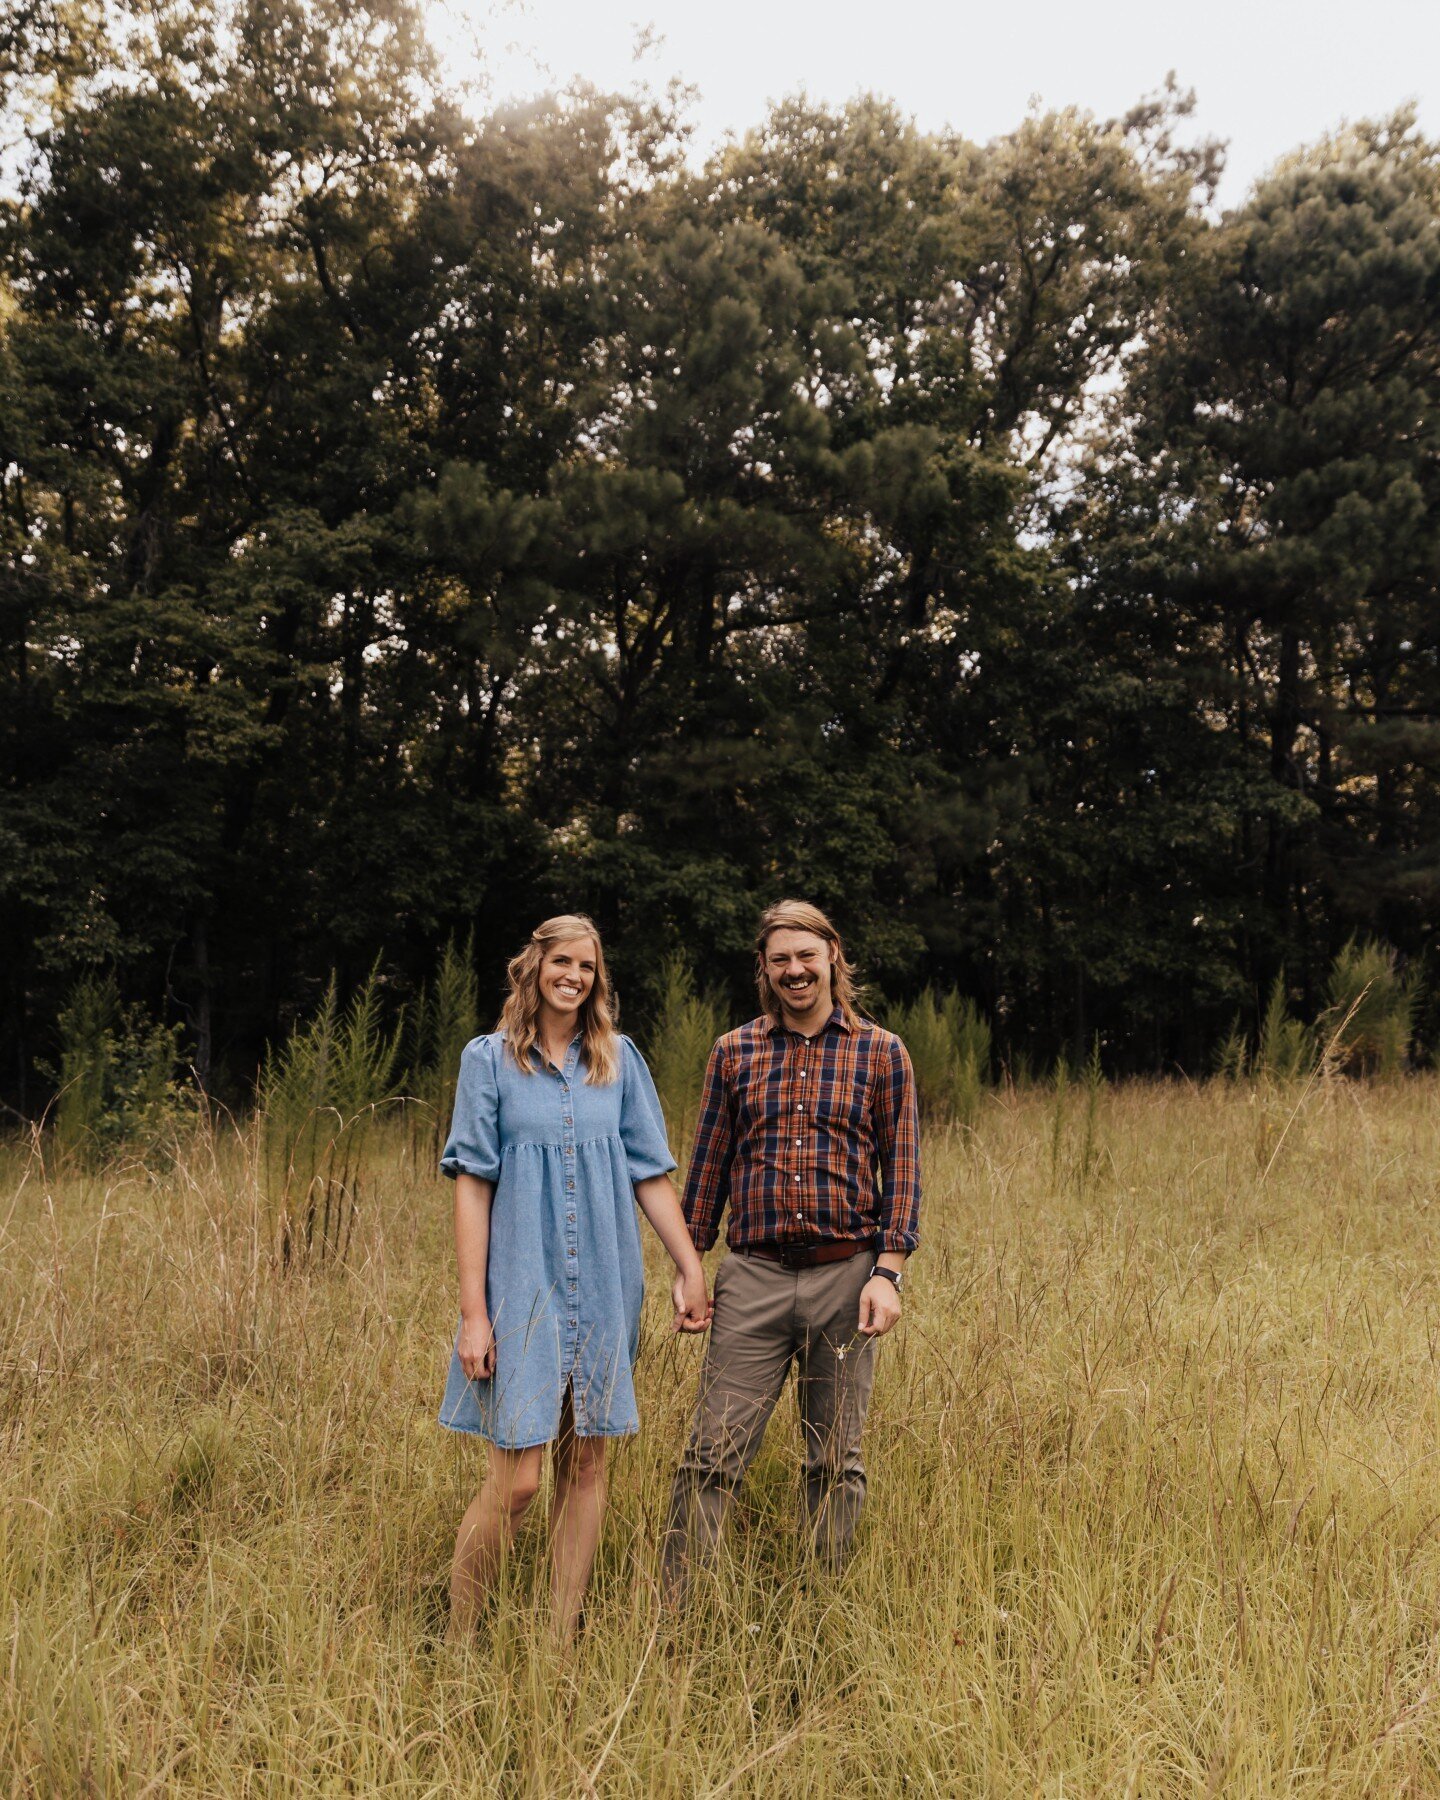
(794, 1131)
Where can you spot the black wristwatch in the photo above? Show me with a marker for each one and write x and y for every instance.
(892, 1275)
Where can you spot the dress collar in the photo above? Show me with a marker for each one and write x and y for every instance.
(572, 1054)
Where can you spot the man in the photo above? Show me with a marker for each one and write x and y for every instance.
(808, 1130)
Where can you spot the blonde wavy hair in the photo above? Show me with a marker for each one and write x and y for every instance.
(800, 915)
(520, 1015)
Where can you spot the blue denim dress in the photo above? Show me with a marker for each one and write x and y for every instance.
(564, 1281)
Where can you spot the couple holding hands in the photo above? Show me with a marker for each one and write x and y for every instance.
(807, 1131)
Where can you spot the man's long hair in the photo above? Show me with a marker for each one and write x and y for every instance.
(520, 1016)
(800, 915)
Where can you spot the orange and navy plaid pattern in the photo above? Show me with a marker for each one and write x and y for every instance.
(808, 1140)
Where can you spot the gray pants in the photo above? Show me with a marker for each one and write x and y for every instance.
(766, 1317)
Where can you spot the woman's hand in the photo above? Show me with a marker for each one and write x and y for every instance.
(693, 1306)
(657, 1201)
(476, 1347)
(476, 1342)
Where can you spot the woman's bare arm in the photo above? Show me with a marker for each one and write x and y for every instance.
(657, 1200)
(476, 1343)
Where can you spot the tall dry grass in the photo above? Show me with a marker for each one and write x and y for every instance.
(1153, 1489)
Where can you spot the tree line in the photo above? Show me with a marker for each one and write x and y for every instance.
(415, 522)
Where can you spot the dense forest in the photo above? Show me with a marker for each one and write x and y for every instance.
(415, 522)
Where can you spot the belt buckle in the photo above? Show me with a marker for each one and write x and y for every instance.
(793, 1256)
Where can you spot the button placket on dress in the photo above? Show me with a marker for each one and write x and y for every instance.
(572, 1240)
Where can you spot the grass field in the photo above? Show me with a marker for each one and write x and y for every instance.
(1154, 1506)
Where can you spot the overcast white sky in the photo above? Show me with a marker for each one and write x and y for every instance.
(1270, 74)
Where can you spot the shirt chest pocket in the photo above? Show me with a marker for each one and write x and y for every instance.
(840, 1106)
(761, 1094)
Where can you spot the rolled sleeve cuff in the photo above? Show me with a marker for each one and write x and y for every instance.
(646, 1168)
(905, 1242)
(464, 1165)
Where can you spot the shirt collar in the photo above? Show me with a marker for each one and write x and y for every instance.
(772, 1024)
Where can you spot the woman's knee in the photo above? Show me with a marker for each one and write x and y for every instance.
(514, 1481)
(580, 1464)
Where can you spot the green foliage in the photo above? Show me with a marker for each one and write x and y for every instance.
(1232, 1059)
(1276, 434)
(1371, 1006)
(1093, 1082)
(687, 1022)
(1021, 1071)
(119, 1084)
(932, 1052)
(971, 1037)
(969, 1032)
(948, 1039)
(319, 1094)
(748, 568)
(86, 1038)
(1287, 1049)
(445, 1017)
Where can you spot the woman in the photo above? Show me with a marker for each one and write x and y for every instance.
(556, 1124)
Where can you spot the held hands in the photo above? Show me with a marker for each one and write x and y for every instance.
(879, 1307)
(693, 1306)
(476, 1348)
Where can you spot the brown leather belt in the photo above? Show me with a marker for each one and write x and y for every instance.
(804, 1256)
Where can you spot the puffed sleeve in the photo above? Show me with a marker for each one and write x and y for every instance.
(642, 1124)
(474, 1146)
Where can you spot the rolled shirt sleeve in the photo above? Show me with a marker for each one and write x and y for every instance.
(474, 1144)
(642, 1124)
(897, 1144)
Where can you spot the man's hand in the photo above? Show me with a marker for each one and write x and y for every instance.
(879, 1306)
(693, 1306)
(476, 1345)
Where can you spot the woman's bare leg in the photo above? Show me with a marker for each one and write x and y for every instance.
(574, 1521)
(511, 1483)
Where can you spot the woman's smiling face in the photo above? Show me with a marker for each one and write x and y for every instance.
(567, 974)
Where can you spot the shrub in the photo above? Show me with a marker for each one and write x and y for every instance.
(119, 1074)
(318, 1097)
(687, 1023)
(1287, 1049)
(926, 1036)
(1371, 1007)
(948, 1038)
(446, 1017)
(1232, 1059)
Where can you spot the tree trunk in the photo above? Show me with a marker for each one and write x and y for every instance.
(1284, 729)
(204, 1039)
